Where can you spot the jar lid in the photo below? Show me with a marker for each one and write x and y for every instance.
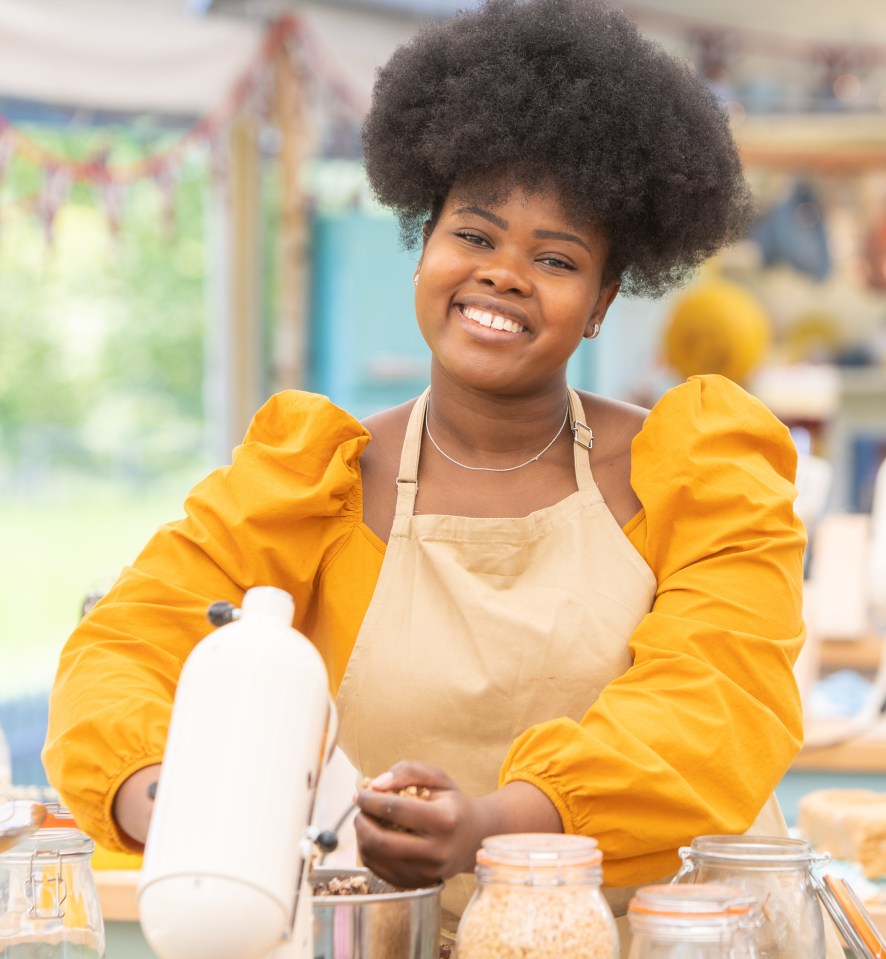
(702, 901)
(753, 850)
(850, 917)
(58, 816)
(58, 842)
(538, 849)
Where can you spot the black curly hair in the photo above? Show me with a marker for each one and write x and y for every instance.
(564, 94)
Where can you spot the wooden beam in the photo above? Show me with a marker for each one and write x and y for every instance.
(234, 380)
(290, 338)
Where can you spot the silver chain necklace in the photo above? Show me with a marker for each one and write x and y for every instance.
(493, 469)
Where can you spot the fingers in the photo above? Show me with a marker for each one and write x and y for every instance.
(399, 797)
(401, 858)
(408, 772)
(405, 810)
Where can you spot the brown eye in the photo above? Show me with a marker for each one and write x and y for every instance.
(475, 238)
(557, 263)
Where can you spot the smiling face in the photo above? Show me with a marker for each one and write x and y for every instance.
(507, 289)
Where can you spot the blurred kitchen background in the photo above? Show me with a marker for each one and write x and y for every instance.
(185, 229)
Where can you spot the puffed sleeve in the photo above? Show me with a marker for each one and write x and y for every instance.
(695, 736)
(272, 517)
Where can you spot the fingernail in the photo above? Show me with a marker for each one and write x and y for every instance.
(382, 781)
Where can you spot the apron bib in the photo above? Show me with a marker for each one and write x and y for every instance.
(482, 627)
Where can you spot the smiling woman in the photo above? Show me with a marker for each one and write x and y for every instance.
(531, 602)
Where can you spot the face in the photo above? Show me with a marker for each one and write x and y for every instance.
(506, 291)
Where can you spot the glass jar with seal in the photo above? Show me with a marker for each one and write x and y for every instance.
(706, 921)
(538, 894)
(778, 873)
(49, 906)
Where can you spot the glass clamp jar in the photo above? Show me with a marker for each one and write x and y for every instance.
(49, 905)
(538, 894)
(708, 921)
(778, 872)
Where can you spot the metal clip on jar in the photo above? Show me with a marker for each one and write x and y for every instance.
(49, 906)
(778, 873)
(538, 894)
(708, 921)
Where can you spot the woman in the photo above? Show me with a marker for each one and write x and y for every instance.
(555, 610)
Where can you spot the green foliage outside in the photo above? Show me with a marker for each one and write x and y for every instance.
(102, 338)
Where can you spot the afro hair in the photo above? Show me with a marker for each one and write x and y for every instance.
(562, 94)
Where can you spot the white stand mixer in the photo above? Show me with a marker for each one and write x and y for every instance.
(228, 854)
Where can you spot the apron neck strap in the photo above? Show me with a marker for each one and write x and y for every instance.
(407, 478)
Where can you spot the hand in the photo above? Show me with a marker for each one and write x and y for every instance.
(446, 829)
(443, 833)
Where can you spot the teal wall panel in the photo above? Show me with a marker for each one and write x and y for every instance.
(366, 352)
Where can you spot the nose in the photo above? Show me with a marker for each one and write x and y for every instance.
(504, 272)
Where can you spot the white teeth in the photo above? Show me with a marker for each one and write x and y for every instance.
(492, 320)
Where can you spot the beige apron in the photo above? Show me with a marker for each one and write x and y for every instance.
(471, 636)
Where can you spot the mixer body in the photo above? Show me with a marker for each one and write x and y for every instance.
(226, 863)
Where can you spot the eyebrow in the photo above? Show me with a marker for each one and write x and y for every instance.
(558, 235)
(539, 234)
(485, 214)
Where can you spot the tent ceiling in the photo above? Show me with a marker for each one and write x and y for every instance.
(182, 56)
(849, 21)
(144, 56)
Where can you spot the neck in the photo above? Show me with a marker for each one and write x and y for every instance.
(494, 430)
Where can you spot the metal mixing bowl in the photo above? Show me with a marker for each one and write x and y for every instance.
(387, 923)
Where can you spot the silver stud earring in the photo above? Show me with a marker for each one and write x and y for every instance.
(594, 333)
(415, 278)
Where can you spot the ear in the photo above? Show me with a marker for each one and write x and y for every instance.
(608, 293)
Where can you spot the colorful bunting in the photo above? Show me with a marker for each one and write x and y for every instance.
(253, 94)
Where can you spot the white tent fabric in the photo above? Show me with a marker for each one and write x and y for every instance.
(153, 56)
(149, 56)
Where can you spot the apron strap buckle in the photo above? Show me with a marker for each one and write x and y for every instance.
(585, 439)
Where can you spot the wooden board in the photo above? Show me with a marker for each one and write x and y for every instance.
(117, 894)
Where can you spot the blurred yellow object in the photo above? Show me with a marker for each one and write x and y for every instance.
(813, 337)
(107, 859)
(717, 327)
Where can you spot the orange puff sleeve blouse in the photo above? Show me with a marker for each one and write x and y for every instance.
(692, 739)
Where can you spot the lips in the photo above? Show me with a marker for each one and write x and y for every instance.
(492, 321)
